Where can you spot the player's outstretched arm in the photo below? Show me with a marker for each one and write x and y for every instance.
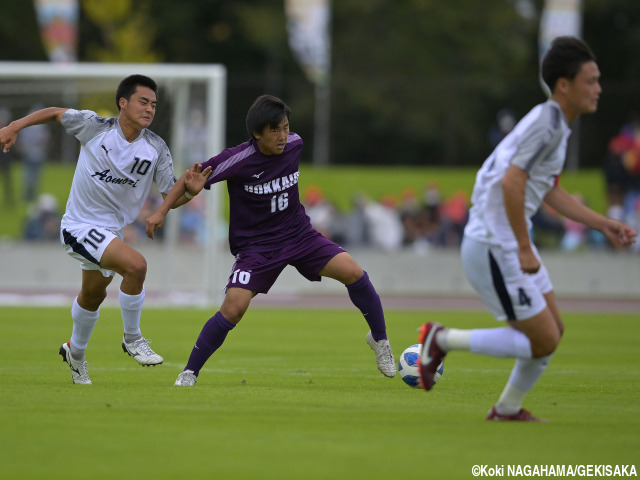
(194, 181)
(156, 220)
(565, 204)
(176, 196)
(9, 134)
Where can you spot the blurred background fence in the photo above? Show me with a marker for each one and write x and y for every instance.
(43, 274)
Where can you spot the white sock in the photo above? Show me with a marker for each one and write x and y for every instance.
(131, 308)
(500, 342)
(83, 323)
(524, 376)
(510, 401)
(454, 339)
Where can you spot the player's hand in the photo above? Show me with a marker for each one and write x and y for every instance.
(154, 222)
(619, 234)
(529, 262)
(197, 168)
(8, 137)
(196, 178)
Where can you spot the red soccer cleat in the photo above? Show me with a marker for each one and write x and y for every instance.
(431, 355)
(523, 415)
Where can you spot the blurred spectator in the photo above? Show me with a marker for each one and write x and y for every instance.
(193, 222)
(454, 213)
(409, 202)
(410, 214)
(505, 121)
(624, 150)
(421, 220)
(547, 227)
(33, 146)
(616, 210)
(430, 214)
(5, 163)
(634, 221)
(615, 183)
(136, 231)
(575, 233)
(320, 211)
(43, 221)
(352, 228)
(385, 227)
(432, 199)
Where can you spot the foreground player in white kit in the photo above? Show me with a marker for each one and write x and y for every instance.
(118, 162)
(499, 259)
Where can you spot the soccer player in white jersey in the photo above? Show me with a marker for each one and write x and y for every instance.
(499, 258)
(118, 162)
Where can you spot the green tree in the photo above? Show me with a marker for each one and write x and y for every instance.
(416, 76)
(413, 81)
(122, 32)
(20, 33)
(612, 28)
(248, 37)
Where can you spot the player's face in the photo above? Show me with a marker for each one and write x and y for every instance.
(584, 90)
(272, 140)
(140, 110)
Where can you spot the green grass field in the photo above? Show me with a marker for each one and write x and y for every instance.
(295, 394)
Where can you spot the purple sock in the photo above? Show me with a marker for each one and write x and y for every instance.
(211, 337)
(365, 297)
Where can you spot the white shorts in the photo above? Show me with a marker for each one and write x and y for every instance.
(495, 274)
(87, 243)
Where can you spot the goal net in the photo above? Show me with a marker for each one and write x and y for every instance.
(184, 262)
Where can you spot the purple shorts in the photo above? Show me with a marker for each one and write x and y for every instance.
(258, 271)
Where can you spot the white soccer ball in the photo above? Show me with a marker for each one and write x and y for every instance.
(408, 367)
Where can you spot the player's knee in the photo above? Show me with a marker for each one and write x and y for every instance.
(353, 273)
(343, 268)
(545, 345)
(234, 316)
(542, 351)
(91, 300)
(352, 277)
(137, 270)
(233, 313)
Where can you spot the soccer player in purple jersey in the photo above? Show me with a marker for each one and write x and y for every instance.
(268, 230)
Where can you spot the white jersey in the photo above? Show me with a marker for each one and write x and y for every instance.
(538, 145)
(113, 177)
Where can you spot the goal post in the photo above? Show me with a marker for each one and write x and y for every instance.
(184, 90)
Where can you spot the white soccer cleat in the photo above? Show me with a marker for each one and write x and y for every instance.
(79, 373)
(384, 355)
(141, 351)
(186, 379)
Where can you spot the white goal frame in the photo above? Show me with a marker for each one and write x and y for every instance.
(179, 77)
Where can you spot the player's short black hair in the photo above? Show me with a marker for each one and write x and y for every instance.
(128, 87)
(267, 110)
(564, 59)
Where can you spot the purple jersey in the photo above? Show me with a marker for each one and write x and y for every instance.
(265, 208)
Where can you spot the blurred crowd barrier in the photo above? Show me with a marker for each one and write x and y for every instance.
(30, 273)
